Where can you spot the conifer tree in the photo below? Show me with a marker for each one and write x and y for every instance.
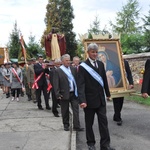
(14, 44)
(146, 27)
(60, 15)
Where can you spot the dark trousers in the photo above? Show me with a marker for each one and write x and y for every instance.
(65, 111)
(14, 91)
(118, 104)
(102, 124)
(38, 96)
(54, 103)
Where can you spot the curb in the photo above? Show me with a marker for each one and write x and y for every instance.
(72, 133)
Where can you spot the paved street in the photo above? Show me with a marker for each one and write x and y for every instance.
(134, 134)
(24, 127)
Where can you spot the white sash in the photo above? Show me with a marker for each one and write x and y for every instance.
(93, 73)
(70, 77)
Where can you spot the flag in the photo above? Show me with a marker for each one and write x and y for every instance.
(24, 54)
(4, 55)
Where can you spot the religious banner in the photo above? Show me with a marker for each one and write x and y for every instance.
(1, 55)
(23, 56)
(110, 53)
(55, 45)
(4, 55)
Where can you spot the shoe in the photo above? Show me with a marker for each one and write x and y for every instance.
(108, 148)
(17, 99)
(56, 115)
(119, 123)
(91, 147)
(34, 101)
(41, 108)
(7, 95)
(78, 129)
(13, 98)
(48, 108)
(66, 127)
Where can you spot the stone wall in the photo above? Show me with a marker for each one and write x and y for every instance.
(137, 64)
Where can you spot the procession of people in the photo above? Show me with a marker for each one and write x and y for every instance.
(69, 83)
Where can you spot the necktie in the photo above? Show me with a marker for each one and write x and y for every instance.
(95, 64)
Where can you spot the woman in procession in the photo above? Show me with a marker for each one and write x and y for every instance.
(16, 79)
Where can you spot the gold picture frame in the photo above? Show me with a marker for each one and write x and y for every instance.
(110, 53)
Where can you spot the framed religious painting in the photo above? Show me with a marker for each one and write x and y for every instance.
(110, 53)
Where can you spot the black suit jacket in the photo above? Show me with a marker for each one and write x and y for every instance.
(38, 70)
(61, 83)
(89, 90)
(128, 72)
(146, 78)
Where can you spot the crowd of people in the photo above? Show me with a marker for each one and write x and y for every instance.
(72, 84)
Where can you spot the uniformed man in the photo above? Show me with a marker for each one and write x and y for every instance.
(30, 78)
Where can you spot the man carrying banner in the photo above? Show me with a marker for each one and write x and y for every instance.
(93, 90)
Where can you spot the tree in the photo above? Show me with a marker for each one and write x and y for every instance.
(95, 26)
(132, 43)
(60, 15)
(95, 29)
(66, 26)
(14, 44)
(127, 18)
(146, 27)
(34, 48)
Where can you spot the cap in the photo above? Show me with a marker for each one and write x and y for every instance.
(32, 59)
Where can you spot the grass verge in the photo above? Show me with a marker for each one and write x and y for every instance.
(139, 100)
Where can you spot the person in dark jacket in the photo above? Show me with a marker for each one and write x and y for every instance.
(40, 70)
(146, 80)
(64, 84)
(118, 102)
(92, 87)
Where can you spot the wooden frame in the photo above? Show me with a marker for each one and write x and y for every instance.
(110, 49)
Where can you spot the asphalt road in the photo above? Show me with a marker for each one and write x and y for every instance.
(134, 134)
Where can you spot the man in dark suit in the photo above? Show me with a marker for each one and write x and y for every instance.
(118, 102)
(40, 70)
(65, 88)
(92, 87)
(55, 101)
(146, 80)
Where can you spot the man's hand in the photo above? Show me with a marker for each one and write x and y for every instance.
(83, 105)
(131, 86)
(109, 98)
(60, 97)
(145, 95)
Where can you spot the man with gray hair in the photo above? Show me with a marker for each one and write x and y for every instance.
(66, 90)
(93, 90)
(76, 62)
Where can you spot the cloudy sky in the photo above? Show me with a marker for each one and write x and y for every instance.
(30, 15)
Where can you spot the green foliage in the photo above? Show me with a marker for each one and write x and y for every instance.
(127, 18)
(60, 15)
(132, 43)
(80, 50)
(14, 44)
(66, 26)
(139, 100)
(95, 27)
(34, 48)
(146, 27)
